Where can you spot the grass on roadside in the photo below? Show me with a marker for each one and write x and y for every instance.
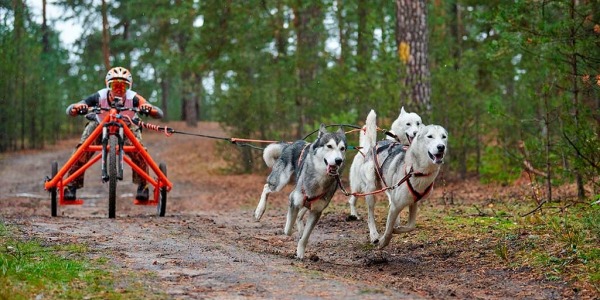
(31, 269)
(560, 243)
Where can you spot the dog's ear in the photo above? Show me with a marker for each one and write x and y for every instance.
(402, 111)
(422, 131)
(341, 130)
(322, 130)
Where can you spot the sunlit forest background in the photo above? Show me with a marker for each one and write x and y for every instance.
(515, 83)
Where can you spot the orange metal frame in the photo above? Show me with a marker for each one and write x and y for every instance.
(59, 182)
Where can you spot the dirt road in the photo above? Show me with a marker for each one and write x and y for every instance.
(208, 246)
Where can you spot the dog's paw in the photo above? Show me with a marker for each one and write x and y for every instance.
(258, 215)
(403, 229)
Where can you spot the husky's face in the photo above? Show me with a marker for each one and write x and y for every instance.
(406, 126)
(434, 139)
(331, 146)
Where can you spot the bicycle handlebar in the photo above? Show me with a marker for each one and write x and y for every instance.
(98, 109)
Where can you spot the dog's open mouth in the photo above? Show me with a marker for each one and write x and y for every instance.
(409, 138)
(437, 158)
(332, 170)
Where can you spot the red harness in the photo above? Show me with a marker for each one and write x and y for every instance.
(418, 196)
(307, 200)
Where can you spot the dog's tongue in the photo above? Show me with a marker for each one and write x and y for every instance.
(437, 158)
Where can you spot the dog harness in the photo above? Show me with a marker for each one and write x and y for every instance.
(308, 200)
(378, 168)
(418, 196)
(376, 151)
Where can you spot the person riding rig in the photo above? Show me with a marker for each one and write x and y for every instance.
(117, 93)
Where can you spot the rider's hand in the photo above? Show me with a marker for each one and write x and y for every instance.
(79, 109)
(145, 109)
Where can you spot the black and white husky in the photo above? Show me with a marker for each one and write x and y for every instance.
(315, 167)
(411, 172)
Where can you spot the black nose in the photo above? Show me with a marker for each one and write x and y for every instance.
(338, 161)
(441, 148)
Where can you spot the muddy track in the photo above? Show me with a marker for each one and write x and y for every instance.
(208, 245)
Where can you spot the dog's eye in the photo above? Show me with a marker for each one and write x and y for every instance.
(329, 146)
(408, 124)
(430, 136)
(343, 149)
(418, 123)
(444, 136)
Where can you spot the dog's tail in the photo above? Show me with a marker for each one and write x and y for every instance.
(368, 137)
(271, 153)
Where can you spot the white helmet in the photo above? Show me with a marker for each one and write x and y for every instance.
(119, 73)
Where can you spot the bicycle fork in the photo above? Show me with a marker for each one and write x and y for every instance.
(106, 133)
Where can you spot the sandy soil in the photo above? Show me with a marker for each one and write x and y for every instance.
(209, 246)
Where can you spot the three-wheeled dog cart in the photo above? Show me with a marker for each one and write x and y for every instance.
(113, 129)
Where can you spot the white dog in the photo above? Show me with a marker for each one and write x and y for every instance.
(411, 172)
(404, 128)
(421, 165)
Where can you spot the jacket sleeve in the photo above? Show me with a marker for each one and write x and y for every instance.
(156, 112)
(90, 101)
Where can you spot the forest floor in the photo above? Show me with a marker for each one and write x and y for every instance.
(209, 246)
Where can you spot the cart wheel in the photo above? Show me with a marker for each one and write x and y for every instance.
(162, 201)
(53, 191)
(112, 177)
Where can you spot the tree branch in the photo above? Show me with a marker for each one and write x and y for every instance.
(589, 161)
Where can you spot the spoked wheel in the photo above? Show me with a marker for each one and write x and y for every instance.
(53, 191)
(112, 176)
(162, 201)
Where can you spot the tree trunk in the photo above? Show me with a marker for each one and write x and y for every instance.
(362, 43)
(308, 18)
(412, 41)
(342, 32)
(165, 88)
(105, 37)
(190, 107)
(45, 41)
(575, 101)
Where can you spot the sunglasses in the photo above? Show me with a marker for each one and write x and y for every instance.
(118, 86)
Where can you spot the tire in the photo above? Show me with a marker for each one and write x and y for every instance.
(53, 191)
(162, 200)
(112, 176)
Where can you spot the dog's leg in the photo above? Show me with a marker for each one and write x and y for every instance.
(299, 222)
(373, 234)
(385, 239)
(292, 214)
(353, 212)
(311, 221)
(262, 203)
(412, 220)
